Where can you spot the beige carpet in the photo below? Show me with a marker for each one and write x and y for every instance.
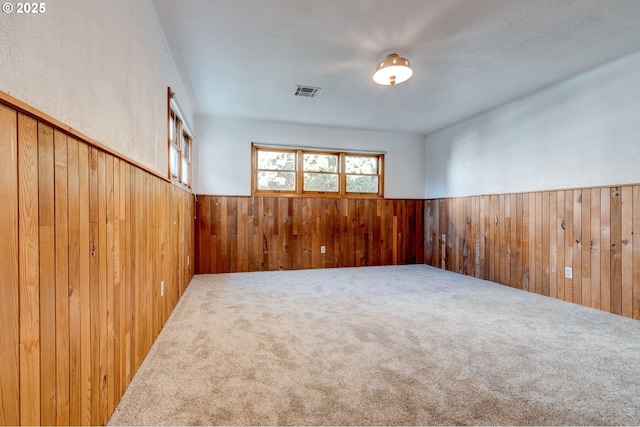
(386, 346)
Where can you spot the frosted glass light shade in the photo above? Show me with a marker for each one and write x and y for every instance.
(392, 70)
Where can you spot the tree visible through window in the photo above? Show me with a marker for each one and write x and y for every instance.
(307, 172)
(276, 170)
(320, 172)
(362, 174)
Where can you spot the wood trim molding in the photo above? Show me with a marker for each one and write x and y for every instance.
(22, 107)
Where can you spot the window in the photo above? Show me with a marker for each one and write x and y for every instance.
(294, 172)
(276, 170)
(180, 145)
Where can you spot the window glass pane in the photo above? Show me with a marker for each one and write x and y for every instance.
(177, 129)
(320, 162)
(276, 180)
(186, 148)
(173, 161)
(362, 184)
(172, 129)
(185, 172)
(320, 182)
(276, 160)
(361, 164)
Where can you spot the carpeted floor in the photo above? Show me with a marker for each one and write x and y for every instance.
(410, 345)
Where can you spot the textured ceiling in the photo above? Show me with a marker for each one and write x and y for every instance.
(244, 58)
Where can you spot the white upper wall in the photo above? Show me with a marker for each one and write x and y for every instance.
(582, 132)
(223, 157)
(100, 67)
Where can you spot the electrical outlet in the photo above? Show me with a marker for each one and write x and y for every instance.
(568, 272)
(323, 249)
(162, 288)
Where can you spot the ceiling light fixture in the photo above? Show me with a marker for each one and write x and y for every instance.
(392, 70)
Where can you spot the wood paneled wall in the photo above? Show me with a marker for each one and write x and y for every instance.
(86, 240)
(270, 233)
(526, 240)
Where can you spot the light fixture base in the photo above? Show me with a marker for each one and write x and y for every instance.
(392, 70)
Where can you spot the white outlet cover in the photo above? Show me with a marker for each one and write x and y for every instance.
(568, 272)
(323, 249)
(162, 288)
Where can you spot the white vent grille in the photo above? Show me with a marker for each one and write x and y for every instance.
(306, 91)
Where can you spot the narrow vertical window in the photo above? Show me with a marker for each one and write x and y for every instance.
(174, 145)
(180, 145)
(185, 167)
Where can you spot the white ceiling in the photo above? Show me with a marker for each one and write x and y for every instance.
(244, 58)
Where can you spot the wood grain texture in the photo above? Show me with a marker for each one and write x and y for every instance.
(62, 279)
(84, 256)
(268, 233)
(29, 256)
(616, 250)
(47, 275)
(636, 252)
(9, 270)
(527, 239)
(626, 245)
(74, 264)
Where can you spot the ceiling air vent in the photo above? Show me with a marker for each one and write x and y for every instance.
(306, 91)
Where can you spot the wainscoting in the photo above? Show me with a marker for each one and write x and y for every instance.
(87, 239)
(526, 240)
(281, 233)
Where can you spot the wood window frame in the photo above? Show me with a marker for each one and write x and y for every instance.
(180, 145)
(299, 173)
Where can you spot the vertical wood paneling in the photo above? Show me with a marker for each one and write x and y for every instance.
(525, 243)
(585, 267)
(84, 256)
(493, 238)
(605, 252)
(118, 272)
(553, 245)
(568, 242)
(75, 322)
(110, 288)
(62, 279)
(94, 277)
(636, 252)
(266, 233)
(595, 247)
(527, 239)
(66, 295)
(627, 251)
(47, 249)
(128, 276)
(29, 271)
(9, 270)
(505, 240)
(483, 219)
(560, 245)
(533, 221)
(546, 244)
(577, 246)
(513, 245)
(519, 217)
(616, 251)
(429, 232)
